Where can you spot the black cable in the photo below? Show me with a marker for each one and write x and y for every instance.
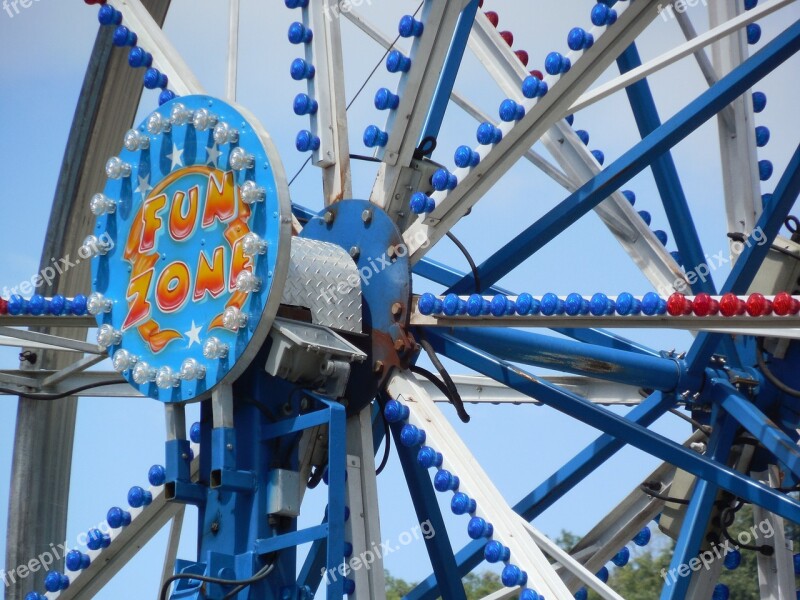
(60, 395)
(769, 374)
(387, 446)
(726, 520)
(471, 262)
(242, 583)
(704, 428)
(453, 395)
(651, 492)
(316, 477)
(365, 158)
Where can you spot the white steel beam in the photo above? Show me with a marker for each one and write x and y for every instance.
(165, 57)
(491, 505)
(233, 50)
(518, 138)
(53, 340)
(776, 578)
(416, 90)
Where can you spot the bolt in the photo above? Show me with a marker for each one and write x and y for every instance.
(400, 346)
(397, 309)
(366, 216)
(185, 456)
(215, 527)
(229, 447)
(328, 217)
(355, 252)
(377, 368)
(391, 252)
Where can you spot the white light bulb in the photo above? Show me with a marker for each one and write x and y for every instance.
(191, 369)
(247, 282)
(250, 191)
(180, 115)
(233, 318)
(225, 134)
(94, 246)
(116, 168)
(108, 336)
(214, 348)
(156, 124)
(97, 303)
(123, 360)
(143, 373)
(135, 140)
(253, 245)
(204, 120)
(166, 379)
(241, 160)
(100, 205)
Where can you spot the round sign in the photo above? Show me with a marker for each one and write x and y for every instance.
(190, 249)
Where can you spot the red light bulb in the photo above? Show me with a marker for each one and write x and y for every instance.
(704, 305)
(784, 304)
(731, 306)
(493, 17)
(508, 37)
(523, 57)
(678, 305)
(758, 305)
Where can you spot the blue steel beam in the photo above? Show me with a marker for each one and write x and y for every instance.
(665, 174)
(708, 104)
(549, 352)
(613, 424)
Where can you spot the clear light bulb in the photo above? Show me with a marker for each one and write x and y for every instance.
(116, 168)
(191, 369)
(225, 134)
(143, 373)
(250, 191)
(166, 379)
(157, 124)
(123, 360)
(241, 159)
(203, 119)
(135, 140)
(97, 303)
(94, 246)
(214, 349)
(108, 336)
(180, 115)
(100, 205)
(247, 282)
(253, 245)
(233, 318)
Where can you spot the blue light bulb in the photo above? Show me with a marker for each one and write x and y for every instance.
(652, 304)
(552, 305)
(153, 78)
(762, 136)
(157, 475)
(489, 134)
(511, 111)
(465, 157)
(578, 38)
(442, 180)
(55, 582)
(646, 217)
(512, 575)
(750, 4)
(677, 257)
(556, 63)
(721, 592)
(35, 596)
(499, 305)
(626, 304)
(77, 560)
(796, 561)
(602, 574)
(349, 586)
(474, 305)
(622, 557)
(765, 170)
(450, 305)
(599, 156)
(662, 236)
(300, 69)
(583, 135)
(753, 33)
(732, 560)
(138, 497)
(533, 87)
(108, 15)
(300, 34)
(304, 105)
(138, 57)
(422, 203)
(395, 411)
(306, 141)
(17, 305)
(348, 549)
(462, 504)
(600, 305)
(575, 304)
(374, 137)
(495, 552)
(427, 457)
(529, 594)
(478, 528)
(602, 15)
(296, 3)
(524, 303)
(36, 305)
(445, 481)
(194, 433)
(426, 303)
(124, 37)
(117, 517)
(570, 119)
(643, 537)
(759, 101)
(631, 197)
(386, 100)
(410, 27)
(78, 305)
(165, 96)
(396, 62)
(411, 435)
(56, 305)
(581, 594)
(94, 539)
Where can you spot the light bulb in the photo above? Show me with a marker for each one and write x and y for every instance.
(157, 124)
(233, 318)
(240, 159)
(97, 303)
(108, 336)
(123, 360)
(143, 373)
(253, 245)
(214, 349)
(225, 134)
(247, 282)
(250, 191)
(93, 246)
(100, 205)
(135, 140)
(191, 369)
(116, 168)
(203, 119)
(180, 115)
(166, 379)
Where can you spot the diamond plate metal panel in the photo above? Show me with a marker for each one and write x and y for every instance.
(324, 279)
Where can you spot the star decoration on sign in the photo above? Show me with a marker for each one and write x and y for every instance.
(176, 157)
(193, 334)
(213, 155)
(144, 185)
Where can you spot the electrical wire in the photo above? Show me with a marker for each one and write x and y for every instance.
(387, 446)
(704, 428)
(60, 395)
(241, 583)
(762, 365)
(651, 492)
(726, 520)
(361, 89)
(471, 262)
(452, 395)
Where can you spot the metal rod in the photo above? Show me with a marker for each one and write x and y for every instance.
(233, 50)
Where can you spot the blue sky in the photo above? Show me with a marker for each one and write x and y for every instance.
(45, 49)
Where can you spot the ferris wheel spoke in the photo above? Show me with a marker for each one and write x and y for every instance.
(233, 50)
(168, 60)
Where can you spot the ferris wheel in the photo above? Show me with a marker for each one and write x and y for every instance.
(298, 329)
